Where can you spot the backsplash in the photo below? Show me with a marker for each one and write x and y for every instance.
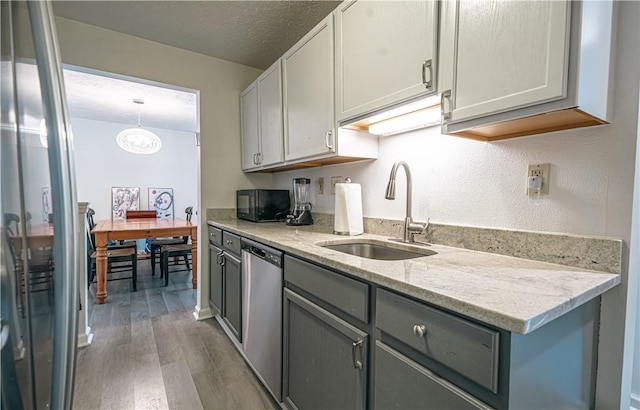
(586, 252)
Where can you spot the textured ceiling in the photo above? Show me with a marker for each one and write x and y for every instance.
(253, 33)
(97, 97)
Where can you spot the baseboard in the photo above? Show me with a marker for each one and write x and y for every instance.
(635, 402)
(85, 339)
(202, 314)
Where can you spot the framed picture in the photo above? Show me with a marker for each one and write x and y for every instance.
(161, 199)
(46, 205)
(124, 199)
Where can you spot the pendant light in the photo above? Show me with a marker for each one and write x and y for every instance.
(138, 140)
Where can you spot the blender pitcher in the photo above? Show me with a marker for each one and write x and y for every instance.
(301, 205)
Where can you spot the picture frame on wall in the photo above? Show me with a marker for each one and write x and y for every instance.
(124, 199)
(47, 209)
(161, 200)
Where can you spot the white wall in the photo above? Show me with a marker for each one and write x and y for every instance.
(466, 182)
(102, 164)
(219, 84)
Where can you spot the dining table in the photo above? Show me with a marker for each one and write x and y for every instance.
(139, 228)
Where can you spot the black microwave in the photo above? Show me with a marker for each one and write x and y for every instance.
(262, 205)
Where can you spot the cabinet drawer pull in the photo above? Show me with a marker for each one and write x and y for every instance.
(446, 94)
(420, 330)
(427, 65)
(357, 345)
(229, 242)
(328, 141)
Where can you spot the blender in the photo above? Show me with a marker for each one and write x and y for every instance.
(301, 205)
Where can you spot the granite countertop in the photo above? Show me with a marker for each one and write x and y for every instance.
(518, 295)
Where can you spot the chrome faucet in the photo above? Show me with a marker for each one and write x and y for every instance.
(410, 228)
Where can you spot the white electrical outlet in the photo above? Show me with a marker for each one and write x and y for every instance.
(334, 181)
(539, 170)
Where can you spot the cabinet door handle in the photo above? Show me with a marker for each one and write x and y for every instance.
(259, 154)
(219, 258)
(255, 159)
(357, 345)
(446, 94)
(420, 330)
(427, 64)
(328, 140)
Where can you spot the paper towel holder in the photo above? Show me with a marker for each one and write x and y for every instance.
(348, 227)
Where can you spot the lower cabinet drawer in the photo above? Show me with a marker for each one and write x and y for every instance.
(348, 295)
(401, 383)
(215, 236)
(231, 243)
(461, 345)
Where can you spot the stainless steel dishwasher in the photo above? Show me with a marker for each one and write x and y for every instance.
(262, 313)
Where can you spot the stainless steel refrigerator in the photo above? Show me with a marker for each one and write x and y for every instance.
(38, 266)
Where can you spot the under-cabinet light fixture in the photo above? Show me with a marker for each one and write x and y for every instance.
(414, 120)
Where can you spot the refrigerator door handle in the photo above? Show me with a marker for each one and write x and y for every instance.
(63, 192)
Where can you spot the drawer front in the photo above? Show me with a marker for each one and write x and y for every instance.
(231, 243)
(401, 383)
(346, 294)
(465, 347)
(215, 236)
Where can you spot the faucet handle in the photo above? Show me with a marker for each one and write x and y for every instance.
(418, 227)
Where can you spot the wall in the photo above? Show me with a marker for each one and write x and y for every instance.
(457, 181)
(465, 182)
(219, 84)
(102, 164)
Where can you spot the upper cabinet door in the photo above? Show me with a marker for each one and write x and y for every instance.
(308, 94)
(270, 107)
(508, 55)
(249, 122)
(385, 53)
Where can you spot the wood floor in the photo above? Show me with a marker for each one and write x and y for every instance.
(150, 353)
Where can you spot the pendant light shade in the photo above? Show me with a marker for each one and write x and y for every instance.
(138, 140)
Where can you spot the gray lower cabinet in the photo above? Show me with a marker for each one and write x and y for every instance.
(325, 358)
(232, 285)
(215, 279)
(401, 383)
(225, 279)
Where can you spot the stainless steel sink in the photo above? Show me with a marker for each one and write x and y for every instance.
(378, 251)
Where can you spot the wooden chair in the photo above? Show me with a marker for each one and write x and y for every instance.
(176, 250)
(140, 214)
(156, 244)
(39, 263)
(120, 245)
(120, 260)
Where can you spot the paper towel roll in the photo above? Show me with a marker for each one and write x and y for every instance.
(348, 216)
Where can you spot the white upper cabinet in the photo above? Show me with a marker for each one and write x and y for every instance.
(308, 94)
(270, 107)
(504, 63)
(261, 112)
(385, 53)
(249, 123)
(509, 54)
